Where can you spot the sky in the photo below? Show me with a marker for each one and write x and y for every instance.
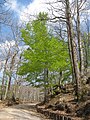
(24, 8)
(25, 2)
(21, 11)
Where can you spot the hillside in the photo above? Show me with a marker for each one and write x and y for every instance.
(66, 105)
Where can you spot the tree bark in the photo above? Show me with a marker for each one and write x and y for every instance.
(73, 48)
(45, 84)
(10, 76)
(80, 44)
(2, 86)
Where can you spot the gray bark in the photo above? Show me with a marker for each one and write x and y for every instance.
(10, 76)
(73, 48)
(80, 43)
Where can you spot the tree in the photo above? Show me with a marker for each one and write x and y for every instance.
(80, 44)
(66, 11)
(45, 52)
(86, 38)
(9, 74)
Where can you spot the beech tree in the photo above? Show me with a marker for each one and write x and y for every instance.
(45, 52)
(73, 48)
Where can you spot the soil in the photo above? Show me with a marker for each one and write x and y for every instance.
(65, 104)
(19, 112)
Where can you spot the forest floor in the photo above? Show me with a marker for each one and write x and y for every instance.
(65, 104)
(19, 112)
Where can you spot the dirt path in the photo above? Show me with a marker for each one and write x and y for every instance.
(19, 112)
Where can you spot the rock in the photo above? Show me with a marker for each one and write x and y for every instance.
(68, 108)
(79, 112)
(87, 109)
(60, 107)
(88, 80)
(84, 110)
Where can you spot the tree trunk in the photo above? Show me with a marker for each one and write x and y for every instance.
(10, 75)
(2, 86)
(74, 53)
(71, 57)
(6, 92)
(45, 84)
(81, 52)
(80, 44)
(60, 77)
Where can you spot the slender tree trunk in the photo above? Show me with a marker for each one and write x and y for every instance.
(81, 52)
(45, 84)
(6, 92)
(88, 45)
(85, 52)
(9, 84)
(80, 44)
(60, 77)
(71, 57)
(10, 76)
(73, 50)
(2, 86)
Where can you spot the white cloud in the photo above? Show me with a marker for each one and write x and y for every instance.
(39, 6)
(33, 9)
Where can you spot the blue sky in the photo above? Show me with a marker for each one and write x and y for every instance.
(25, 2)
(21, 10)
